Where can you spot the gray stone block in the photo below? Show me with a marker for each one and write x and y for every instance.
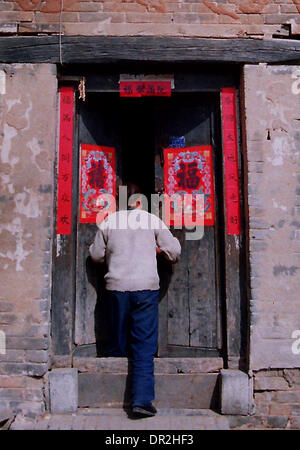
(236, 392)
(63, 387)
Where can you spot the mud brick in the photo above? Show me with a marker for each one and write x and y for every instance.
(13, 356)
(262, 383)
(258, 246)
(295, 409)
(8, 28)
(41, 17)
(293, 375)
(10, 16)
(148, 18)
(37, 356)
(6, 318)
(6, 307)
(12, 382)
(247, 422)
(195, 18)
(101, 17)
(281, 18)
(44, 305)
(6, 6)
(280, 409)
(288, 397)
(295, 422)
(286, 9)
(14, 394)
(37, 370)
(95, 6)
(277, 421)
(27, 343)
(33, 395)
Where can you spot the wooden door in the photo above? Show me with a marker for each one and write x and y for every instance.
(98, 125)
(190, 311)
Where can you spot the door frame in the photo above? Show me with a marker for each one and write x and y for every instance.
(195, 78)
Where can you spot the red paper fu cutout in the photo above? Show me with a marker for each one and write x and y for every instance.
(64, 189)
(145, 88)
(97, 183)
(230, 147)
(189, 171)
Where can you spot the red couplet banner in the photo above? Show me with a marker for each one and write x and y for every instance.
(97, 182)
(64, 189)
(189, 170)
(145, 88)
(230, 148)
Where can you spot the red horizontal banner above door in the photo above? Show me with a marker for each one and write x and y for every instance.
(137, 88)
(64, 188)
(231, 167)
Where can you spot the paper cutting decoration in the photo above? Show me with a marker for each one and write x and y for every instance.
(189, 170)
(230, 148)
(64, 188)
(97, 183)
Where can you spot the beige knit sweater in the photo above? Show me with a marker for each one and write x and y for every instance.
(127, 240)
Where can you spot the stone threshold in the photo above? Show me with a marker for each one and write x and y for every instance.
(161, 365)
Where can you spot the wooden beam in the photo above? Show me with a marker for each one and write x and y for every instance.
(103, 49)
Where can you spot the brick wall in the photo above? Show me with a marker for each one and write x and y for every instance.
(272, 109)
(28, 128)
(222, 18)
(277, 397)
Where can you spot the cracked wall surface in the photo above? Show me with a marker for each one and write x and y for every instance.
(272, 109)
(27, 150)
(199, 18)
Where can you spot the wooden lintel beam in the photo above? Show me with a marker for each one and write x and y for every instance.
(103, 49)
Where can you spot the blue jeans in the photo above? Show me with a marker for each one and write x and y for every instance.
(134, 333)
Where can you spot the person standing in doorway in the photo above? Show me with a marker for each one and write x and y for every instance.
(128, 241)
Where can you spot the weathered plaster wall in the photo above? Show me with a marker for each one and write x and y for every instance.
(205, 18)
(27, 138)
(272, 109)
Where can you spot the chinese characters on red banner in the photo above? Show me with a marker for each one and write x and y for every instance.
(136, 88)
(229, 127)
(97, 182)
(189, 170)
(64, 190)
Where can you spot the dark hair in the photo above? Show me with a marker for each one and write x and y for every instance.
(133, 188)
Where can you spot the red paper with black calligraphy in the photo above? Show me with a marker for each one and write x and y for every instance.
(97, 183)
(230, 148)
(189, 170)
(64, 188)
(145, 88)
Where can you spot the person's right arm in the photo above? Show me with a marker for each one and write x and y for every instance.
(97, 249)
(167, 243)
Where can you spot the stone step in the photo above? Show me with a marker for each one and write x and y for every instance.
(180, 382)
(184, 390)
(117, 419)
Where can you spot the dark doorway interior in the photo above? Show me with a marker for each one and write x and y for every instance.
(138, 143)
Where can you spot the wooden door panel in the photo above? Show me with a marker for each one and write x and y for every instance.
(202, 298)
(178, 296)
(191, 301)
(97, 125)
